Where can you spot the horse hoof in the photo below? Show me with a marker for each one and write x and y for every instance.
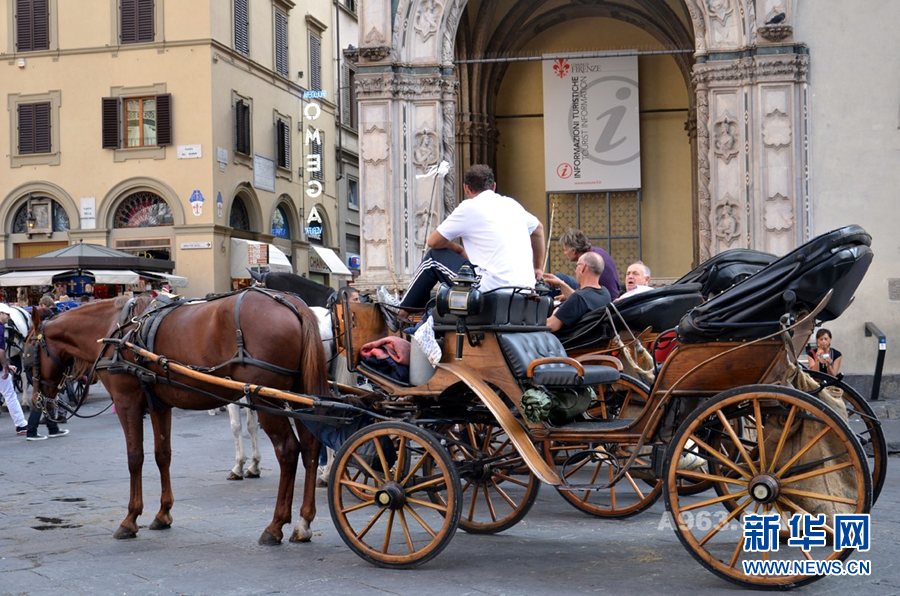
(302, 532)
(159, 525)
(251, 475)
(233, 476)
(124, 533)
(267, 539)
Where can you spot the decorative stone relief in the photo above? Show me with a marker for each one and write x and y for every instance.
(719, 10)
(726, 138)
(454, 11)
(428, 18)
(425, 152)
(375, 147)
(375, 47)
(728, 225)
(704, 198)
(777, 129)
(779, 213)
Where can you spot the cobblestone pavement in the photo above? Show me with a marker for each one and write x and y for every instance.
(61, 500)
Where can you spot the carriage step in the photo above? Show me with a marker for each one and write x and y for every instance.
(596, 425)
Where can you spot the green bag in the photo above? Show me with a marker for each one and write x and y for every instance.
(563, 405)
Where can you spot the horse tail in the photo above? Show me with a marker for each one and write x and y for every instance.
(313, 379)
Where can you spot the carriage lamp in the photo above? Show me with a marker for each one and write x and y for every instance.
(463, 298)
(30, 220)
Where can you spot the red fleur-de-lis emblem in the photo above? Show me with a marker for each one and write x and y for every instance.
(561, 67)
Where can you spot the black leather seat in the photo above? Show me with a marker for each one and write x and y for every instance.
(659, 308)
(506, 307)
(799, 280)
(521, 349)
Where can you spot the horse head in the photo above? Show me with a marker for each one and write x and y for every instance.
(46, 365)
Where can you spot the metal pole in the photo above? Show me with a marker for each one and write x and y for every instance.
(872, 329)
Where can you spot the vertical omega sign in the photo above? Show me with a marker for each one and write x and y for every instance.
(311, 112)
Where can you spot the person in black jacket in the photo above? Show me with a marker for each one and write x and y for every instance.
(824, 358)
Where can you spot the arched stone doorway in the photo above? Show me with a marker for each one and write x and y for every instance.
(746, 121)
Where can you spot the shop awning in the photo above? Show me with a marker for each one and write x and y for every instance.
(332, 260)
(176, 281)
(29, 278)
(111, 276)
(250, 254)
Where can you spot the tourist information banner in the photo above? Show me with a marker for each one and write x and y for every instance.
(591, 124)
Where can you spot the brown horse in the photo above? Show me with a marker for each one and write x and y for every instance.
(281, 349)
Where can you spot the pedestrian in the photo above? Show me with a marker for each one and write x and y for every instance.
(6, 380)
(34, 417)
(497, 235)
(823, 357)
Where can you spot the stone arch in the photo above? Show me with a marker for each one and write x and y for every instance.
(291, 218)
(251, 202)
(17, 196)
(107, 209)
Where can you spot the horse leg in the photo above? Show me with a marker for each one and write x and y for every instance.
(234, 417)
(309, 448)
(325, 470)
(287, 450)
(253, 431)
(161, 419)
(130, 418)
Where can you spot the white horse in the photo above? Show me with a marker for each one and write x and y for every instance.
(251, 421)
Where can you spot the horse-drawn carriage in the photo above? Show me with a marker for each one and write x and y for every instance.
(507, 408)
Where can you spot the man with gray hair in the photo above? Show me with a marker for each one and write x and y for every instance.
(589, 296)
(637, 279)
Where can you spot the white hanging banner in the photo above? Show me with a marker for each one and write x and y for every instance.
(591, 124)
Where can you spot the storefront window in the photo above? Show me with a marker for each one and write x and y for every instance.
(281, 224)
(239, 219)
(143, 210)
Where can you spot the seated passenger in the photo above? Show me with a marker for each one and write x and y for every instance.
(637, 279)
(574, 244)
(589, 296)
(503, 240)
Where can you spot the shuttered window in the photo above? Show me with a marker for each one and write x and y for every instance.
(315, 62)
(283, 143)
(242, 26)
(32, 25)
(136, 121)
(34, 128)
(281, 42)
(136, 21)
(348, 96)
(242, 127)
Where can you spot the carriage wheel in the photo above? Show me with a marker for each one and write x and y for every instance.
(498, 488)
(794, 456)
(865, 424)
(596, 464)
(396, 524)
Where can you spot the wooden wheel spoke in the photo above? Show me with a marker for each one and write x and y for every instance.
(358, 506)
(822, 496)
(379, 449)
(401, 457)
(737, 442)
(426, 504)
(415, 469)
(796, 457)
(421, 521)
(819, 472)
(784, 435)
(473, 502)
(711, 477)
(714, 500)
(760, 436)
(386, 545)
(578, 467)
(438, 480)
(720, 457)
(406, 534)
(716, 528)
(634, 486)
(490, 504)
(365, 466)
(507, 478)
(359, 486)
(371, 523)
(798, 509)
(503, 494)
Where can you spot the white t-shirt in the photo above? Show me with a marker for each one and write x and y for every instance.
(638, 289)
(496, 232)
